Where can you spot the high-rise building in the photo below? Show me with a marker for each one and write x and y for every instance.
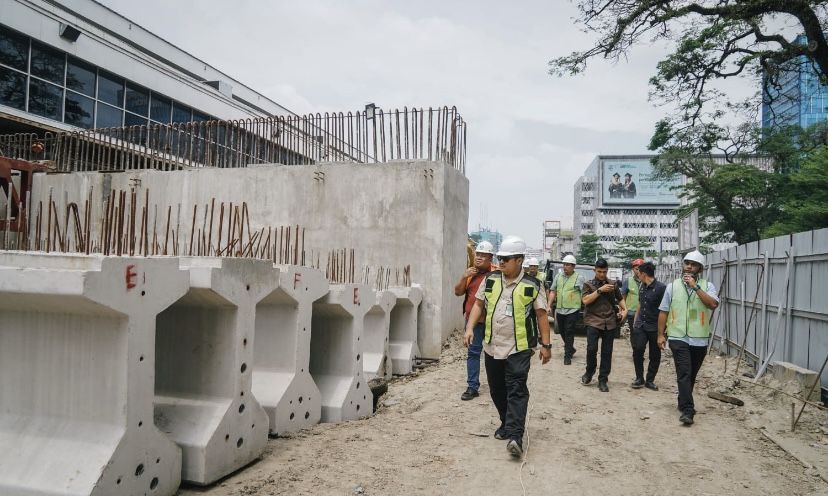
(799, 98)
(618, 199)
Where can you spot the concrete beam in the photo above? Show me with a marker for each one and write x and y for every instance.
(77, 359)
(281, 374)
(376, 362)
(204, 365)
(403, 329)
(336, 352)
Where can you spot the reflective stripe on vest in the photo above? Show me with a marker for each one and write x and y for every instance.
(568, 295)
(631, 299)
(523, 313)
(689, 317)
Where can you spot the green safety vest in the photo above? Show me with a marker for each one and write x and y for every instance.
(688, 316)
(523, 314)
(568, 295)
(632, 294)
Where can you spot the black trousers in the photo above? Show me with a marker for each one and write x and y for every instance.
(688, 360)
(566, 327)
(510, 394)
(640, 339)
(607, 338)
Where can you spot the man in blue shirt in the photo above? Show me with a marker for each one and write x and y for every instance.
(645, 327)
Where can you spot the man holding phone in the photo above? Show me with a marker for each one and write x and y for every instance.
(604, 310)
(684, 324)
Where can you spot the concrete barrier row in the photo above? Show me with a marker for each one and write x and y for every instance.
(129, 375)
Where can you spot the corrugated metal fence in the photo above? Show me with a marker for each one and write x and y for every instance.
(777, 290)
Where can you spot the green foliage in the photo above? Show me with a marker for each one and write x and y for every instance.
(588, 248)
(805, 203)
(632, 247)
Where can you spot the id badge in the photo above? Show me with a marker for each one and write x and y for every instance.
(692, 314)
(508, 309)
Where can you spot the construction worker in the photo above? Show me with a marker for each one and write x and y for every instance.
(645, 327)
(684, 324)
(530, 266)
(604, 310)
(630, 289)
(467, 286)
(568, 285)
(514, 306)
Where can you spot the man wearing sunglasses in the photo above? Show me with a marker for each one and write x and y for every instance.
(514, 306)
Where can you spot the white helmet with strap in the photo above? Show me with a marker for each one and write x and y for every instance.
(695, 256)
(512, 245)
(484, 247)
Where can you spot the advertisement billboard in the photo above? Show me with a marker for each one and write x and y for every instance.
(629, 182)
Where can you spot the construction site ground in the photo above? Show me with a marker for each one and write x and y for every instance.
(424, 440)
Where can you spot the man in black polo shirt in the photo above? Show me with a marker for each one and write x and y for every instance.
(645, 327)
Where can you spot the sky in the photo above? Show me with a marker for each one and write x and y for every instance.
(530, 135)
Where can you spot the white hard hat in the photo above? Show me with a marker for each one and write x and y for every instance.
(512, 245)
(569, 259)
(695, 256)
(484, 247)
(525, 263)
(533, 261)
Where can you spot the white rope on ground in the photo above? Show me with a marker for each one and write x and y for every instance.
(525, 458)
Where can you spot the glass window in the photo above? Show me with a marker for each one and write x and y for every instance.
(12, 88)
(48, 63)
(182, 113)
(80, 77)
(110, 89)
(160, 109)
(109, 116)
(80, 110)
(14, 49)
(199, 117)
(137, 99)
(134, 120)
(45, 99)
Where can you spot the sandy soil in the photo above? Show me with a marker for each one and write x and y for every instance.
(424, 440)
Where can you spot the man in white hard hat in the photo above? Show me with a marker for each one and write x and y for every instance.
(467, 287)
(565, 295)
(514, 306)
(531, 266)
(684, 324)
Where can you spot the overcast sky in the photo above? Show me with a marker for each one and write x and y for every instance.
(530, 135)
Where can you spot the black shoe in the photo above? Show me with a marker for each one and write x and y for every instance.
(501, 434)
(602, 386)
(686, 418)
(567, 360)
(638, 383)
(586, 379)
(651, 385)
(515, 448)
(469, 394)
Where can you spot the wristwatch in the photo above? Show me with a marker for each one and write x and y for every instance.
(698, 287)
(547, 346)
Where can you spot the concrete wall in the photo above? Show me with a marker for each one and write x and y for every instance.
(393, 214)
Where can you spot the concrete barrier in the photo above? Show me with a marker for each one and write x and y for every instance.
(281, 374)
(76, 367)
(204, 364)
(336, 352)
(376, 362)
(402, 333)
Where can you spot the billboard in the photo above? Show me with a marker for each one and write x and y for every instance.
(629, 182)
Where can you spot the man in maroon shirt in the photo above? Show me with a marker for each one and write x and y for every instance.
(467, 286)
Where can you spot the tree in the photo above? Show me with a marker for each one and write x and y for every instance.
(711, 40)
(631, 247)
(805, 207)
(588, 248)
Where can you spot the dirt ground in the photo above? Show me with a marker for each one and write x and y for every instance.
(425, 440)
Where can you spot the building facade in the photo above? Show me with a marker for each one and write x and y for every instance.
(800, 98)
(486, 234)
(69, 65)
(616, 199)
